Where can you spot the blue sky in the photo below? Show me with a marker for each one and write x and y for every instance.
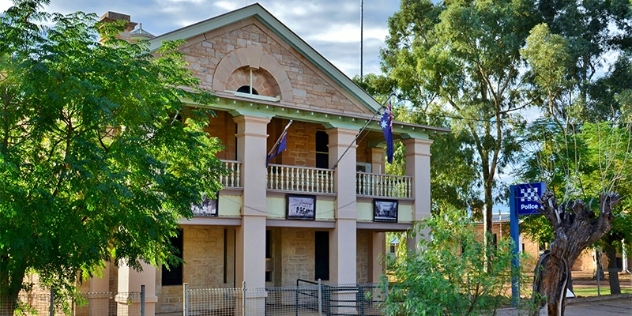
(332, 27)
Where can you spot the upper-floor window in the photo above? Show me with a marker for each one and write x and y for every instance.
(322, 150)
(248, 89)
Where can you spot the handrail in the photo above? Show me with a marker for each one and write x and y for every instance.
(300, 179)
(383, 185)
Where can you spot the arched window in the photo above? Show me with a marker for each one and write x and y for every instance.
(247, 89)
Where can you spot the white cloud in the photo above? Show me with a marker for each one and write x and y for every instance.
(331, 27)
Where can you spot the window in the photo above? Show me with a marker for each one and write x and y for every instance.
(173, 275)
(321, 256)
(247, 89)
(268, 256)
(322, 150)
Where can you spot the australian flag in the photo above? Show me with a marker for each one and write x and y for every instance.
(387, 128)
(279, 148)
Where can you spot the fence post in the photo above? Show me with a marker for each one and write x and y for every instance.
(185, 299)
(320, 299)
(51, 308)
(296, 298)
(243, 299)
(142, 300)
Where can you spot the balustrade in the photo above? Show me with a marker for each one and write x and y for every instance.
(300, 179)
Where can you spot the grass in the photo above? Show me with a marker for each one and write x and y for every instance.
(584, 291)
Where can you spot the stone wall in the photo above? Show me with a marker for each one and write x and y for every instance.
(364, 244)
(298, 255)
(223, 127)
(310, 87)
(203, 251)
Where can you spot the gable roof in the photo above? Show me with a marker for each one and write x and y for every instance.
(257, 11)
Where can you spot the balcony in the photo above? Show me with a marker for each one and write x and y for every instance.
(383, 185)
(321, 181)
(300, 179)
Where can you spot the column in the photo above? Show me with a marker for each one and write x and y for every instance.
(377, 263)
(250, 240)
(377, 160)
(129, 282)
(378, 256)
(418, 167)
(100, 302)
(343, 239)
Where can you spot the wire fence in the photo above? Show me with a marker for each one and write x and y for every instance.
(306, 298)
(87, 304)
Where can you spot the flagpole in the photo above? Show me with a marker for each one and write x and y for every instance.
(360, 132)
(279, 139)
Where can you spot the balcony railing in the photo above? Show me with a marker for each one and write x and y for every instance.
(316, 180)
(300, 179)
(233, 178)
(384, 185)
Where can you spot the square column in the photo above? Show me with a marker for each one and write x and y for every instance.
(343, 241)
(250, 242)
(99, 304)
(344, 236)
(418, 167)
(129, 282)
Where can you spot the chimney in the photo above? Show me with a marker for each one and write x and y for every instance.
(129, 25)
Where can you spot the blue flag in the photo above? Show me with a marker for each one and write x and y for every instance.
(281, 144)
(387, 128)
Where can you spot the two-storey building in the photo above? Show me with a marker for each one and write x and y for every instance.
(318, 210)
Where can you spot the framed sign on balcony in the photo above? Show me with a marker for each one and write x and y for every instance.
(301, 207)
(385, 210)
(208, 206)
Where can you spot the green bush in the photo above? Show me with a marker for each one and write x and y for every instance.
(453, 273)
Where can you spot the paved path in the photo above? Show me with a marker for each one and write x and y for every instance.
(597, 306)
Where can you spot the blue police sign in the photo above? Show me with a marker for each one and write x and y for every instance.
(524, 199)
(527, 197)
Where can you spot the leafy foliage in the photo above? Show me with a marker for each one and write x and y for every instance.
(94, 163)
(448, 277)
(457, 63)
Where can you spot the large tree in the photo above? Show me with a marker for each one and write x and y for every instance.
(464, 58)
(99, 156)
(578, 64)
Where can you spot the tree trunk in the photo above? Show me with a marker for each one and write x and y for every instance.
(10, 285)
(576, 227)
(613, 270)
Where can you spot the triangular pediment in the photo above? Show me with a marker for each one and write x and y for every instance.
(231, 50)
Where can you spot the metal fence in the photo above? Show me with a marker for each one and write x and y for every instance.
(88, 304)
(306, 298)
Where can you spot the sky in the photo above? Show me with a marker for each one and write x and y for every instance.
(331, 27)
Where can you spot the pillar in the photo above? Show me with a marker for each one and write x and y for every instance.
(418, 167)
(250, 241)
(343, 241)
(99, 304)
(378, 256)
(129, 283)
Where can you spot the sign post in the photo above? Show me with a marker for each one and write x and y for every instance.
(524, 199)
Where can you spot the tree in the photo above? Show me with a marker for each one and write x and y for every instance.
(448, 155)
(576, 226)
(574, 81)
(602, 164)
(464, 56)
(99, 156)
(449, 277)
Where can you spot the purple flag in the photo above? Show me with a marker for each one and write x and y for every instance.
(387, 128)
